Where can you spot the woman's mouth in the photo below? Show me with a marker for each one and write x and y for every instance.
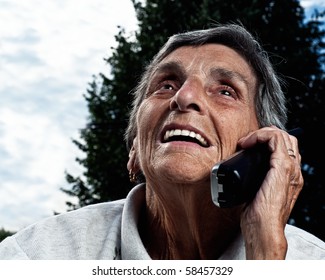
(186, 136)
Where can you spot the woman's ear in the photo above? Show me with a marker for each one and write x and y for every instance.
(133, 162)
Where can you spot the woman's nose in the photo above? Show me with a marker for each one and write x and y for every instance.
(188, 98)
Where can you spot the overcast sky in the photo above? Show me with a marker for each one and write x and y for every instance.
(49, 51)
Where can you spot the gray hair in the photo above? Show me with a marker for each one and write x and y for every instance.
(270, 103)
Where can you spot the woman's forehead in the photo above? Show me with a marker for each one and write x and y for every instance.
(207, 59)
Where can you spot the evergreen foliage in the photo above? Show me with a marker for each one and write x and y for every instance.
(4, 234)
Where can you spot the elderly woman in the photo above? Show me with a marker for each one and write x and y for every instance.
(204, 96)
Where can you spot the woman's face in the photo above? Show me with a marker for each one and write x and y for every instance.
(200, 101)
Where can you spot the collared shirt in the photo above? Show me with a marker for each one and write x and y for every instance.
(109, 231)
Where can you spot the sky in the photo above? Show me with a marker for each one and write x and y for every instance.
(49, 52)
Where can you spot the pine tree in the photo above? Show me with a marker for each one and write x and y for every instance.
(5, 233)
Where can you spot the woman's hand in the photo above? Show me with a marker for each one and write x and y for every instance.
(264, 219)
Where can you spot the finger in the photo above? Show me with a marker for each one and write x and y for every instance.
(291, 153)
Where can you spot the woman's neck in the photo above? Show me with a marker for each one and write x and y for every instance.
(185, 224)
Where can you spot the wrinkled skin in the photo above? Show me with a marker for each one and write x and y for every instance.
(208, 90)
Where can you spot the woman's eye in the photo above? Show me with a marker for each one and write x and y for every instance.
(225, 92)
(167, 87)
(228, 91)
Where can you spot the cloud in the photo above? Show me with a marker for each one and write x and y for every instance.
(312, 3)
(49, 51)
(23, 57)
(311, 6)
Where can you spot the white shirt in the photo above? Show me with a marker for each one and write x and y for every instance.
(109, 231)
